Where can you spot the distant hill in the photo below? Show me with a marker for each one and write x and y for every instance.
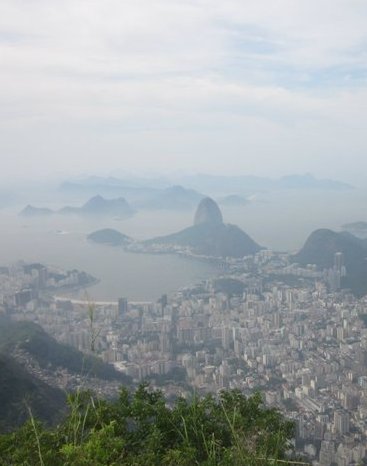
(109, 236)
(201, 182)
(172, 198)
(95, 206)
(20, 390)
(358, 228)
(139, 193)
(310, 182)
(100, 206)
(113, 184)
(320, 248)
(362, 242)
(356, 225)
(210, 236)
(31, 211)
(248, 184)
(233, 201)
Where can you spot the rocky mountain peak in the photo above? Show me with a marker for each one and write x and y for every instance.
(208, 212)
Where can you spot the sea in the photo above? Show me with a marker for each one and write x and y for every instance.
(280, 221)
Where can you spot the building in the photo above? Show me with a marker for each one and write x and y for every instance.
(341, 422)
(122, 307)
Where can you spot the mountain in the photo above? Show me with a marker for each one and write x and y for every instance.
(31, 362)
(100, 206)
(323, 244)
(31, 211)
(139, 194)
(172, 198)
(357, 228)
(111, 183)
(95, 206)
(221, 241)
(209, 236)
(19, 390)
(310, 182)
(49, 353)
(248, 184)
(208, 213)
(158, 193)
(109, 236)
(233, 201)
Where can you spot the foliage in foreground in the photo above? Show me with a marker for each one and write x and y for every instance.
(139, 429)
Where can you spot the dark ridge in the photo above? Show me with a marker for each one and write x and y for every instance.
(21, 391)
(49, 353)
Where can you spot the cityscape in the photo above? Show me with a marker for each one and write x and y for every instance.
(183, 233)
(264, 324)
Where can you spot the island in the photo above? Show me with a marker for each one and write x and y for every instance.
(109, 236)
(95, 206)
(209, 236)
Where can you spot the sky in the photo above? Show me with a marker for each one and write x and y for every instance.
(265, 87)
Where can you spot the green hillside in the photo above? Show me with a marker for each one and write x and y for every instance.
(51, 354)
(20, 391)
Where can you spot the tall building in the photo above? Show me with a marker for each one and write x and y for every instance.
(227, 338)
(164, 342)
(327, 452)
(122, 307)
(42, 277)
(163, 301)
(341, 422)
(339, 261)
(23, 297)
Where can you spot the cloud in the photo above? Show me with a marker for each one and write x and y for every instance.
(172, 82)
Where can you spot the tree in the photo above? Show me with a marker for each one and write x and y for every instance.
(140, 429)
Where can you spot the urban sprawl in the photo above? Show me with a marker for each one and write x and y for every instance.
(264, 324)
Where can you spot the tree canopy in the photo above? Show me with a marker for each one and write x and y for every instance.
(141, 429)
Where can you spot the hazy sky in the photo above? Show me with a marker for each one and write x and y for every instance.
(222, 86)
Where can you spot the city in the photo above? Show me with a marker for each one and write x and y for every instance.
(265, 324)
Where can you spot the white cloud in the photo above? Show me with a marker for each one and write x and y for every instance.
(172, 83)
